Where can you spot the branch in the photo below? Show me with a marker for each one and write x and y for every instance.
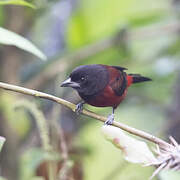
(72, 106)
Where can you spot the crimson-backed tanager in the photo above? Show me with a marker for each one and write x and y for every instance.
(101, 85)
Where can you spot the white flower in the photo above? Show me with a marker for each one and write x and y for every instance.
(134, 150)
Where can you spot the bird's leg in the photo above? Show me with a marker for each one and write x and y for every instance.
(110, 118)
(79, 107)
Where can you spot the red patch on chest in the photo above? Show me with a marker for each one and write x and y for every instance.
(107, 98)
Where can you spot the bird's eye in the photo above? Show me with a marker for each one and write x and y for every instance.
(82, 78)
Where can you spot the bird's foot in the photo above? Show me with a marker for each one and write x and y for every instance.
(79, 108)
(109, 120)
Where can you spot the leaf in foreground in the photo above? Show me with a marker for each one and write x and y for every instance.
(17, 2)
(10, 38)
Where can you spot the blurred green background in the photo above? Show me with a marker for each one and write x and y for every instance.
(141, 35)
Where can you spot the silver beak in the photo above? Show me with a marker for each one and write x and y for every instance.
(69, 83)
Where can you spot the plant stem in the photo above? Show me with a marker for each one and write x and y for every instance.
(72, 106)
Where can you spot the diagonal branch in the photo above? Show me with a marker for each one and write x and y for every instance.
(72, 106)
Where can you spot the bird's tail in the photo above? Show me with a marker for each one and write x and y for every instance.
(137, 78)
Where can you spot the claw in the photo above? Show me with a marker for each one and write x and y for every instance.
(79, 108)
(109, 120)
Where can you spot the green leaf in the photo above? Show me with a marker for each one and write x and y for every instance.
(2, 140)
(17, 2)
(10, 38)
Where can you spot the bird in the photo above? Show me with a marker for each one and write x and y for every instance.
(101, 86)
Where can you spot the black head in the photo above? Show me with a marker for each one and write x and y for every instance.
(88, 79)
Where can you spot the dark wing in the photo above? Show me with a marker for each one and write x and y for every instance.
(119, 68)
(119, 85)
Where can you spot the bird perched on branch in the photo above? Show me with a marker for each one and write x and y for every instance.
(101, 85)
